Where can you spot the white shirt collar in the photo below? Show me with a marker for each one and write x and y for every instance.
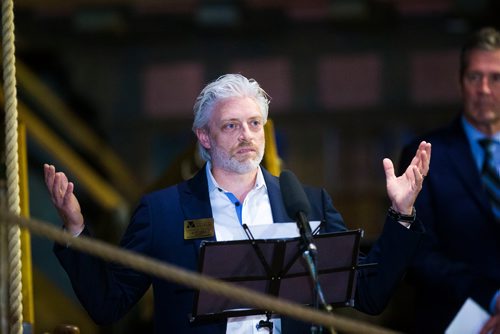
(213, 185)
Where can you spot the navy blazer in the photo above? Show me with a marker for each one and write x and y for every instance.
(459, 256)
(108, 291)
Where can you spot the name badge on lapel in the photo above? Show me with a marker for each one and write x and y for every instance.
(199, 228)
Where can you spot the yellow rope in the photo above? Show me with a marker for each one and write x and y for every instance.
(12, 168)
(197, 281)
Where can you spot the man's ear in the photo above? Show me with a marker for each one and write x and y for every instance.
(203, 137)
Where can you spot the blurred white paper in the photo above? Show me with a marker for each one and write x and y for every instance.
(263, 231)
(278, 231)
(469, 320)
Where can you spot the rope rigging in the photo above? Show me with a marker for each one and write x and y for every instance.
(12, 167)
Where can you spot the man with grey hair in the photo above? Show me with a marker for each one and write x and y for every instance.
(460, 200)
(230, 190)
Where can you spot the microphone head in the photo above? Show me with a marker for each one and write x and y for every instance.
(293, 194)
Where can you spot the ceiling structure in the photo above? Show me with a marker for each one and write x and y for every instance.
(96, 15)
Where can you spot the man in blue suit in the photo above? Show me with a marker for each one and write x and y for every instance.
(459, 256)
(231, 189)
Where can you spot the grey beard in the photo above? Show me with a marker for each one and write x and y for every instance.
(241, 167)
(221, 160)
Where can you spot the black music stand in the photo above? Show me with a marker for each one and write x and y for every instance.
(275, 267)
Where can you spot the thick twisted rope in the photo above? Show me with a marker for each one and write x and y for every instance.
(184, 277)
(12, 166)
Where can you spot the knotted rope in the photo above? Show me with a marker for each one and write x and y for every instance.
(12, 166)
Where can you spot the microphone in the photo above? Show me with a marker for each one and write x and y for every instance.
(297, 205)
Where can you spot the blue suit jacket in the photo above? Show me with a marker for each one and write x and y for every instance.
(108, 291)
(459, 256)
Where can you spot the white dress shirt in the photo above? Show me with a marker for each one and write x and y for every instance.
(255, 210)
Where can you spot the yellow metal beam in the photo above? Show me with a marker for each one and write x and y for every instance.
(272, 160)
(27, 271)
(103, 193)
(79, 132)
(53, 307)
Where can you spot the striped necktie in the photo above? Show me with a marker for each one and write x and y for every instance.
(490, 177)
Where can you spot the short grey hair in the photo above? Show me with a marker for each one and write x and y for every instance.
(225, 87)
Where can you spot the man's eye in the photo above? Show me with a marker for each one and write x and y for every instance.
(495, 78)
(473, 77)
(256, 124)
(230, 126)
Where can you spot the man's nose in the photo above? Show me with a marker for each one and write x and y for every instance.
(485, 85)
(245, 132)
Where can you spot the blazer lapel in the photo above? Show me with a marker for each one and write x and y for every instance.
(458, 144)
(275, 198)
(195, 201)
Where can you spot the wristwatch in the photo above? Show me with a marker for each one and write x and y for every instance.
(401, 217)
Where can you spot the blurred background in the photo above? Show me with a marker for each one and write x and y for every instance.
(106, 90)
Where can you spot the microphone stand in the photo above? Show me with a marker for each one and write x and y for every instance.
(309, 253)
(263, 323)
